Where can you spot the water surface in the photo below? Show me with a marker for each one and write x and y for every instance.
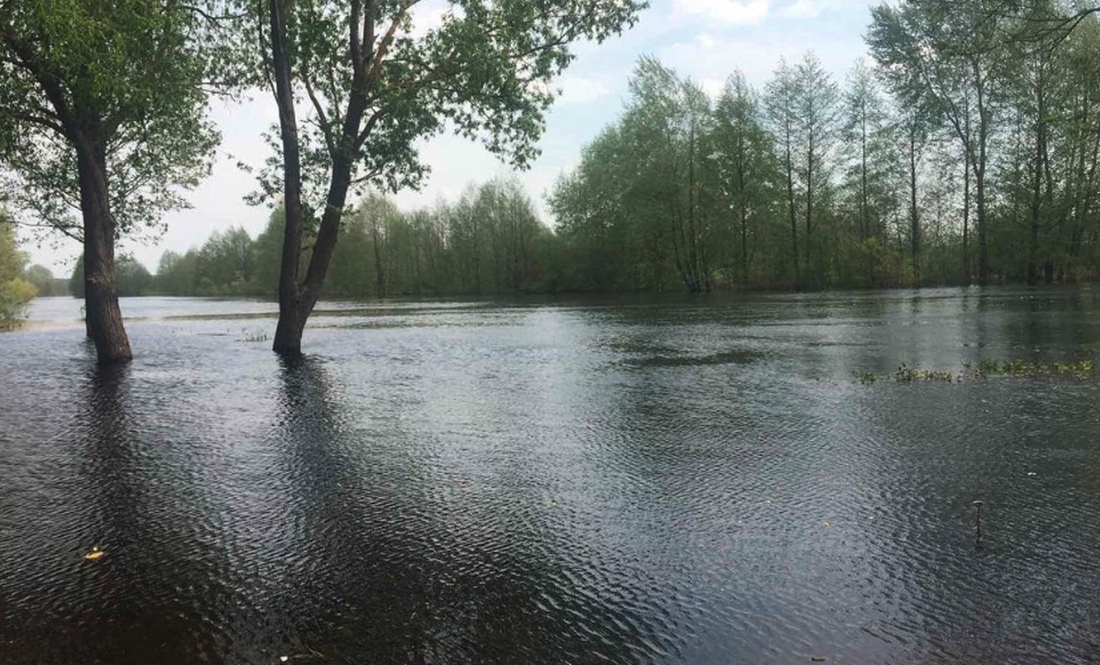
(630, 481)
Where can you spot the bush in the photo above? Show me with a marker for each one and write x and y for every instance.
(14, 296)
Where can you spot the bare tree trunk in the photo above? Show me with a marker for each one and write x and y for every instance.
(103, 318)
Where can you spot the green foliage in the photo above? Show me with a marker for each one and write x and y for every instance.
(223, 265)
(489, 241)
(936, 163)
(45, 282)
(906, 374)
(1017, 368)
(484, 71)
(131, 277)
(122, 77)
(1020, 368)
(15, 292)
(14, 295)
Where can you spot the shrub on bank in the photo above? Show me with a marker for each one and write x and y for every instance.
(14, 296)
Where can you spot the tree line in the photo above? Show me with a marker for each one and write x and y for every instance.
(489, 241)
(967, 151)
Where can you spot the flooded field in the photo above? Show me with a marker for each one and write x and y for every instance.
(634, 481)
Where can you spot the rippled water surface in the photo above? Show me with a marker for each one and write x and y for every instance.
(677, 481)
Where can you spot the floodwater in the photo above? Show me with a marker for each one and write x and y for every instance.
(634, 481)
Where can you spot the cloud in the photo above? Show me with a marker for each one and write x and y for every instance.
(756, 55)
(581, 89)
(802, 9)
(728, 12)
(806, 9)
(711, 86)
(429, 16)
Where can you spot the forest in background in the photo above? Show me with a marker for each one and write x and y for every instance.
(965, 152)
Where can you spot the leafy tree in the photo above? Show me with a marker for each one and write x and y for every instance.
(953, 56)
(816, 99)
(267, 252)
(748, 171)
(375, 88)
(101, 111)
(176, 273)
(133, 278)
(783, 114)
(15, 291)
(44, 281)
(870, 158)
(224, 264)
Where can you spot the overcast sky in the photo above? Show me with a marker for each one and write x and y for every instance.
(702, 39)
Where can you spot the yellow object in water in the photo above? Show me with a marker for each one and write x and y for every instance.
(95, 555)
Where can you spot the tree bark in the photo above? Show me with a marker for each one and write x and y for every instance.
(288, 332)
(102, 316)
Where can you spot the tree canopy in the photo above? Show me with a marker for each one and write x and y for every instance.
(126, 75)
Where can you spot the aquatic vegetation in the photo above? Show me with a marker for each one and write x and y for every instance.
(1031, 369)
(865, 377)
(905, 374)
(990, 367)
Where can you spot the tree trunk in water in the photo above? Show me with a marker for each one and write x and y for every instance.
(102, 316)
(288, 332)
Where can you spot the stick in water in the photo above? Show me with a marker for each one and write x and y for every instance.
(978, 523)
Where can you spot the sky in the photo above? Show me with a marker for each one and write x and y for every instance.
(705, 40)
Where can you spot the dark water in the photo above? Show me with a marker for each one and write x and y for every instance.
(696, 481)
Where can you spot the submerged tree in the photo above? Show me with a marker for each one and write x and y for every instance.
(375, 86)
(101, 114)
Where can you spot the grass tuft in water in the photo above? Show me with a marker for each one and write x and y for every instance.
(247, 336)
